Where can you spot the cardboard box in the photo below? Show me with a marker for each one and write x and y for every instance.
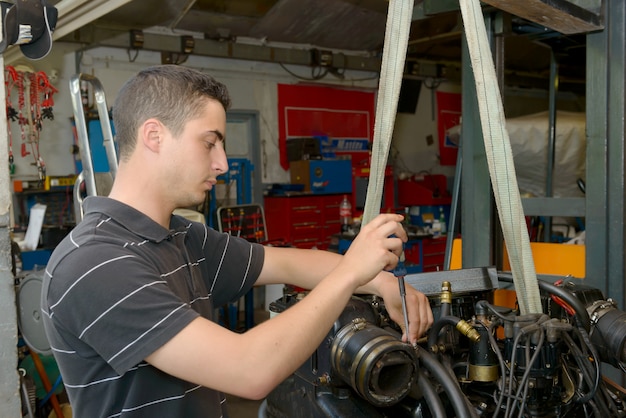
(322, 176)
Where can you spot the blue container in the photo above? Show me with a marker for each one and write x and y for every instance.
(38, 258)
(427, 214)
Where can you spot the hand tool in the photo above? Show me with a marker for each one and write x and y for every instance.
(400, 271)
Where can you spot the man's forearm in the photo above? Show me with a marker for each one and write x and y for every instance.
(306, 268)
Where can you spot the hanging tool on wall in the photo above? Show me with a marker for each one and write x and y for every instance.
(242, 216)
(10, 78)
(35, 103)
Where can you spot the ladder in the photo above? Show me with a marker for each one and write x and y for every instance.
(95, 184)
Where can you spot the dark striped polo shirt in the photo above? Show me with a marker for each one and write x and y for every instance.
(118, 287)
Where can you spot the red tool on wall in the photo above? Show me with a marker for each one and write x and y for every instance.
(35, 103)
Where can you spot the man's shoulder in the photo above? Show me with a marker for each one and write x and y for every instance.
(91, 241)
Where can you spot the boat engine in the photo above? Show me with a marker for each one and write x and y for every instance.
(478, 359)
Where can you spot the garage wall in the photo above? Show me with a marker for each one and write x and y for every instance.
(252, 86)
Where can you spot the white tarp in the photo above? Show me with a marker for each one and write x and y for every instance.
(529, 143)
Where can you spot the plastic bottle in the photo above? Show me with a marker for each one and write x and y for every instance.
(345, 214)
(442, 221)
(436, 228)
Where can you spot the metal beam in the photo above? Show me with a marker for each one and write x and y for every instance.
(563, 16)
(426, 8)
(606, 109)
(93, 36)
(554, 206)
(476, 194)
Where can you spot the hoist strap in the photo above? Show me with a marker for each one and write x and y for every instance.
(500, 160)
(399, 17)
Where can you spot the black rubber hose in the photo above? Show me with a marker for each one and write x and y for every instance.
(567, 296)
(433, 334)
(446, 309)
(430, 395)
(450, 386)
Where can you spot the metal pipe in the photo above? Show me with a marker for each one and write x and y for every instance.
(182, 14)
(554, 88)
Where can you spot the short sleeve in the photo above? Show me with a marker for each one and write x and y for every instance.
(135, 311)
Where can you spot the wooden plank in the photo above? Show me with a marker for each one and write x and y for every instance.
(559, 15)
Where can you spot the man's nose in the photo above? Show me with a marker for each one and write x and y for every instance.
(220, 162)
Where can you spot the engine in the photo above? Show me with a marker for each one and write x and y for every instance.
(478, 359)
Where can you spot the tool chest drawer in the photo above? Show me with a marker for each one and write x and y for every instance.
(303, 221)
(434, 251)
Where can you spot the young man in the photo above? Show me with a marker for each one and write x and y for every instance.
(129, 295)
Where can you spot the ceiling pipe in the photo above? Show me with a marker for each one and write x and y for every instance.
(66, 6)
(182, 14)
(87, 13)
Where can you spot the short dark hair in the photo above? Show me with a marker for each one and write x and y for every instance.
(170, 93)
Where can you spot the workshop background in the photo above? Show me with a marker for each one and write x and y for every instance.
(293, 66)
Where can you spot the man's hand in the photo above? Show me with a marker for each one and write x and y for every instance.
(418, 306)
(377, 247)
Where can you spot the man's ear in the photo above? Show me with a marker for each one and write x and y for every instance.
(151, 134)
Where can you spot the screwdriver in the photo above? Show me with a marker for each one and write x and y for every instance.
(400, 271)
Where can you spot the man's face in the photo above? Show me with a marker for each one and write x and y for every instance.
(196, 157)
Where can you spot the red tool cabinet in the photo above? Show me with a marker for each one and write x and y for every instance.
(304, 221)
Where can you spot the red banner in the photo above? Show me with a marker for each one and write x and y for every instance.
(319, 111)
(448, 116)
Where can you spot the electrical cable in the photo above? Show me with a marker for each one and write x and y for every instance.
(46, 383)
(51, 391)
(494, 309)
(579, 358)
(598, 384)
(523, 332)
(582, 362)
(523, 383)
(503, 368)
(299, 77)
(582, 333)
(430, 395)
(571, 299)
(449, 384)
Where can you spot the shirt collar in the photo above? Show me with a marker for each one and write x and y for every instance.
(130, 218)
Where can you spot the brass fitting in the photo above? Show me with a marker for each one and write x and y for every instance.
(446, 292)
(466, 329)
